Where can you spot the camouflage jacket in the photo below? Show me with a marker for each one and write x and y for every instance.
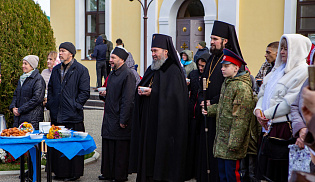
(233, 116)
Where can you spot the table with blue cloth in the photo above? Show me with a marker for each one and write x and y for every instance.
(70, 147)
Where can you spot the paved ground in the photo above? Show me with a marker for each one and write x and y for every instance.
(93, 123)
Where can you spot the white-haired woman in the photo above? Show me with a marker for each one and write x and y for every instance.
(279, 90)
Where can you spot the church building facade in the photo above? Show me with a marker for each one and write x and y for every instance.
(187, 21)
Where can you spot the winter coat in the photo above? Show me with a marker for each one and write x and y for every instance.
(289, 85)
(100, 50)
(192, 65)
(194, 87)
(200, 52)
(131, 64)
(66, 99)
(233, 116)
(109, 47)
(255, 132)
(29, 100)
(119, 103)
(298, 121)
(310, 136)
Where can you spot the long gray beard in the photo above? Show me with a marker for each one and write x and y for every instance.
(157, 64)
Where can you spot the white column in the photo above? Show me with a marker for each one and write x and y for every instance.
(80, 26)
(289, 23)
(228, 11)
(108, 19)
(210, 8)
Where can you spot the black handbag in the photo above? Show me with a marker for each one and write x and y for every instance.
(276, 148)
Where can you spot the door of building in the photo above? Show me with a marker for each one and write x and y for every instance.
(189, 33)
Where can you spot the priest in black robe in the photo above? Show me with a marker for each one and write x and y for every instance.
(223, 36)
(119, 103)
(160, 126)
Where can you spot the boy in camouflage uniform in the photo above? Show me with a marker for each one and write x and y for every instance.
(233, 117)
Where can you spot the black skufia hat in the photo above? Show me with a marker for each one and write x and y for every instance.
(227, 31)
(121, 53)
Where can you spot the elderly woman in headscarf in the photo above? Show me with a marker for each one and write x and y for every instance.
(27, 103)
(279, 90)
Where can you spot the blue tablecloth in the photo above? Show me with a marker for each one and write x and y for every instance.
(70, 147)
(73, 146)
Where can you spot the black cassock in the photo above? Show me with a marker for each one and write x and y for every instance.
(212, 94)
(61, 165)
(160, 128)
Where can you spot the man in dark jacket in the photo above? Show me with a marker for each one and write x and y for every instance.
(109, 50)
(119, 100)
(99, 53)
(202, 49)
(68, 90)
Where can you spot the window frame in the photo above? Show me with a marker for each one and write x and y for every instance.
(97, 24)
(299, 17)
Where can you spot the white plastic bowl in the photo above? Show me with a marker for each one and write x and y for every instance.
(65, 133)
(143, 88)
(101, 89)
(36, 136)
(80, 134)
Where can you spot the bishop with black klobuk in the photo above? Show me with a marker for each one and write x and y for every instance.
(223, 36)
(160, 127)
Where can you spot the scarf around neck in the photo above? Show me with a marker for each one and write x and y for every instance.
(24, 76)
(270, 87)
(185, 63)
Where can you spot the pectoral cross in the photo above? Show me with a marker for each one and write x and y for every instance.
(184, 46)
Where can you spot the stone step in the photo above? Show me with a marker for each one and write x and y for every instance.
(92, 108)
(97, 103)
(94, 103)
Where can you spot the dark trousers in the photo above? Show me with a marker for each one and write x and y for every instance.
(61, 165)
(115, 159)
(100, 72)
(312, 167)
(108, 67)
(202, 154)
(229, 170)
(248, 168)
